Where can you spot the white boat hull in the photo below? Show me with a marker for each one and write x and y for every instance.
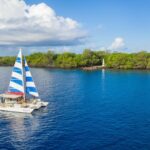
(27, 107)
(37, 103)
(44, 104)
(14, 109)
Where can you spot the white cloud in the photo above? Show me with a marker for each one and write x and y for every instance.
(117, 44)
(22, 24)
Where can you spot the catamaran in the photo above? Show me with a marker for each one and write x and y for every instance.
(15, 99)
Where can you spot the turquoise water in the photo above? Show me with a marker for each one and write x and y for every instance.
(101, 110)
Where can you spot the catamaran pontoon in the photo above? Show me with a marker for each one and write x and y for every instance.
(15, 98)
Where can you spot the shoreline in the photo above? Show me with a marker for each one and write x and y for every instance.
(89, 68)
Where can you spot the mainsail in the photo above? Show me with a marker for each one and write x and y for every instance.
(30, 85)
(16, 85)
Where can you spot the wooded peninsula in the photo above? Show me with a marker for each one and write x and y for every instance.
(116, 60)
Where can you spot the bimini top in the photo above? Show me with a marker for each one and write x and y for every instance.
(10, 96)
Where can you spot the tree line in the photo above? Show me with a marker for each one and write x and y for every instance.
(116, 60)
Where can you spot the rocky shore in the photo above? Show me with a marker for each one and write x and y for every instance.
(91, 68)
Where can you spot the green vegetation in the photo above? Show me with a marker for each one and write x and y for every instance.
(116, 60)
(7, 61)
(139, 60)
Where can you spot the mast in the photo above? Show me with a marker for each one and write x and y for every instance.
(24, 96)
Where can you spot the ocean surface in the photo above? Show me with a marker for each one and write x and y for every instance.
(100, 110)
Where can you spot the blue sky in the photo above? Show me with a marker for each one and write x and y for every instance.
(129, 19)
(122, 25)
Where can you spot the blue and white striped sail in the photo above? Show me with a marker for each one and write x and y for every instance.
(30, 85)
(16, 85)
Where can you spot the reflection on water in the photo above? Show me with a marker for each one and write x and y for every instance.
(103, 73)
(19, 128)
(22, 126)
(103, 79)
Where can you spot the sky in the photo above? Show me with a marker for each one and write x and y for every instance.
(73, 25)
